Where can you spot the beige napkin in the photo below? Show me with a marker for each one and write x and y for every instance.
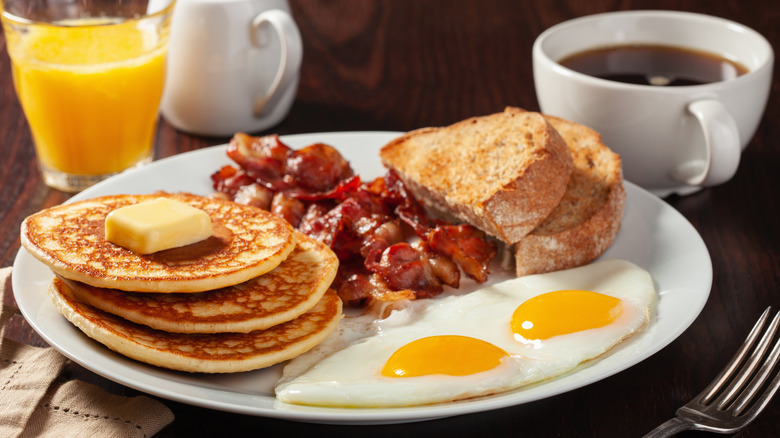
(37, 400)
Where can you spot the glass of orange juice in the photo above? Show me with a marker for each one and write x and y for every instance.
(89, 76)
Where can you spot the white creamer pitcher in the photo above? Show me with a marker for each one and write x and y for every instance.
(233, 66)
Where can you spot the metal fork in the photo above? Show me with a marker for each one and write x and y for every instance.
(725, 405)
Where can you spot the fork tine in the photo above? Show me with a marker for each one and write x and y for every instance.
(762, 375)
(699, 414)
(756, 409)
(714, 387)
(749, 368)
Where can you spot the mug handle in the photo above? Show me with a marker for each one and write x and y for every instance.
(291, 53)
(721, 139)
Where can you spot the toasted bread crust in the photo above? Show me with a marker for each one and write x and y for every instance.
(503, 173)
(588, 218)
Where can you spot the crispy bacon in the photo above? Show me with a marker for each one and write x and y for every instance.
(443, 267)
(359, 289)
(230, 180)
(263, 158)
(467, 246)
(291, 209)
(380, 237)
(254, 194)
(312, 223)
(315, 172)
(367, 224)
(406, 206)
(355, 290)
(342, 190)
(348, 226)
(381, 291)
(402, 266)
(318, 167)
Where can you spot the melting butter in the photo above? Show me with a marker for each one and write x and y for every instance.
(157, 225)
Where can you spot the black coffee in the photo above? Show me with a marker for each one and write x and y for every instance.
(654, 65)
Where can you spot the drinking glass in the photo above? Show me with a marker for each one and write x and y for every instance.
(89, 75)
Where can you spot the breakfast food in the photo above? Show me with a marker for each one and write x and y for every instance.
(586, 221)
(202, 353)
(278, 296)
(70, 239)
(245, 293)
(369, 225)
(547, 188)
(388, 252)
(503, 173)
(162, 223)
(570, 230)
(499, 338)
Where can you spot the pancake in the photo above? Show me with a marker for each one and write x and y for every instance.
(202, 353)
(286, 292)
(70, 239)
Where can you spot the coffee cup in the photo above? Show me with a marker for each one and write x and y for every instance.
(233, 66)
(671, 139)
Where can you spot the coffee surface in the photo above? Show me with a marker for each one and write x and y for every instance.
(654, 65)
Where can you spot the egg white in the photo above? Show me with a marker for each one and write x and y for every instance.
(345, 370)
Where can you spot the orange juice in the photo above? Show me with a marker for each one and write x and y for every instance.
(90, 90)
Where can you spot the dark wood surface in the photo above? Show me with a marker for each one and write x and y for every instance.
(401, 65)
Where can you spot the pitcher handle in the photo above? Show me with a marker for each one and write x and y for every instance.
(291, 54)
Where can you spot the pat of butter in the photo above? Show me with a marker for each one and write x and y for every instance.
(157, 225)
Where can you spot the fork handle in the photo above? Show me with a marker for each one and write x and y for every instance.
(669, 428)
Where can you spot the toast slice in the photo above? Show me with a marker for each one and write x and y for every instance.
(588, 218)
(503, 173)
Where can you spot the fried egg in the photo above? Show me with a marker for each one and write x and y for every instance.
(492, 340)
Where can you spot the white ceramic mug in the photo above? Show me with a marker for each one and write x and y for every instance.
(233, 66)
(670, 139)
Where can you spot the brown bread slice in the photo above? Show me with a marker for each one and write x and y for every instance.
(586, 221)
(503, 173)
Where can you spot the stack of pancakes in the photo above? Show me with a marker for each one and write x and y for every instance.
(254, 294)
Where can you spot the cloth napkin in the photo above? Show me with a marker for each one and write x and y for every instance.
(37, 399)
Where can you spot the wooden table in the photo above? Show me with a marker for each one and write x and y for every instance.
(404, 64)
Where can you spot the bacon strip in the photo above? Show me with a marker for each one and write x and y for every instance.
(467, 246)
(264, 159)
(365, 223)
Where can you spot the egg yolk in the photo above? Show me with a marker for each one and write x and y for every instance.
(563, 312)
(451, 355)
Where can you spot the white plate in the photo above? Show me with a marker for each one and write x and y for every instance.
(653, 236)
